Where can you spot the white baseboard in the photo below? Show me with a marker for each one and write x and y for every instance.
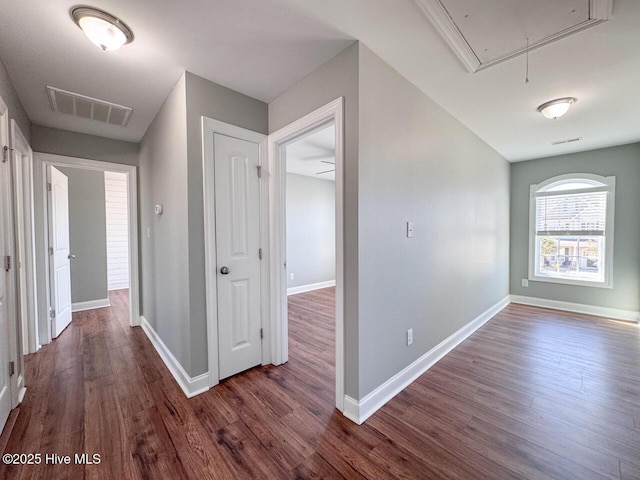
(310, 287)
(191, 386)
(118, 286)
(607, 312)
(21, 394)
(359, 411)
(90, 305)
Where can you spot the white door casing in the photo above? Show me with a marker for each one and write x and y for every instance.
(59, 254)
(331, 112)
(210, 127)
(22, 166)
(237, 217)
(5, 380)
(42, 162)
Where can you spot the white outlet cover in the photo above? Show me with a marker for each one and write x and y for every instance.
(525, 282)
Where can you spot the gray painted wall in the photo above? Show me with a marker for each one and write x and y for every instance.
(336, 78)
(214, 101)
(624, 163)
(311, 220)
(87, 234)
(81, 145)
(173, 276)
(418, 163)
(10, 97)
(164, 253)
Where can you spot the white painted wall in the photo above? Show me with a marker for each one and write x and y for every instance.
(115, 190)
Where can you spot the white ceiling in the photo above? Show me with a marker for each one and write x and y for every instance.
(261, 47)
(314, 155)
(600, 66)
(256, 47)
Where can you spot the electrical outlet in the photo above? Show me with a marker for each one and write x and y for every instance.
(410, 336)
(525, 282)
(292, 276)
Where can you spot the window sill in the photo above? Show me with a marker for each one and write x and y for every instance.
(569, 281)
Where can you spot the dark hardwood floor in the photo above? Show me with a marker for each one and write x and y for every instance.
(534, 394)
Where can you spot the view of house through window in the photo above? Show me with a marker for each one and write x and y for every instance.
(572, 225)
(575, 256)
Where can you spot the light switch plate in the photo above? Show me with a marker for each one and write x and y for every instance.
(409, 229)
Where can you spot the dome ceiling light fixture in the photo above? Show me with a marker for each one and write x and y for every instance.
(101, 28)
(556, 108)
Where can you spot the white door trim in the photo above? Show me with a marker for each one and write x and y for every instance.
(46, 159)
(331, 112)
(25, 217)
(16, 381)
(209, 128)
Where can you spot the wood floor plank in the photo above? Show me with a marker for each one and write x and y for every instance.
(533, 394)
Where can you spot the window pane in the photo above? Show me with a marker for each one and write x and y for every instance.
(549, 254)
(571, 257)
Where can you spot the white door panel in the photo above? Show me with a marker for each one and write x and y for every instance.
(5, 381)
(237, 196)
(5, 219)
(60, 257)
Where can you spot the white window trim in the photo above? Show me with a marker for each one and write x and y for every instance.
(610, 182)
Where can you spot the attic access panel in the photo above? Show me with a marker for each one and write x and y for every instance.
(487, 32)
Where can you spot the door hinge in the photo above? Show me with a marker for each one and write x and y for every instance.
(48, 187)
(50, 250)
(12, 368)
(7, 263)
(259, 171)
(5, 153)
(52, 313)
(260, 253)
(261, 334)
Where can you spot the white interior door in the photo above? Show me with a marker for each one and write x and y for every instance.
(59, 255)
(5, 331)
(5, 381)
(237, 199)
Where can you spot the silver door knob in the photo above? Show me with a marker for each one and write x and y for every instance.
(71, 257)
(224, 270)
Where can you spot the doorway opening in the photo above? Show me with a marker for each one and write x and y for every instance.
(310, 251)
(90, 219)
(313, 145)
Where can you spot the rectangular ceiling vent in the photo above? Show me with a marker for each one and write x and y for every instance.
(87, 107)
(568, 140)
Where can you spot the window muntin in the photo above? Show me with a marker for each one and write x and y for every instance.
(572, 230)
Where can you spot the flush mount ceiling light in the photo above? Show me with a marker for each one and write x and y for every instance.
(556, 108)
(101, 28)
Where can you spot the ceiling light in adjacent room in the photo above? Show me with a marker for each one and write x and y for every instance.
(101, 28)
(556, 108)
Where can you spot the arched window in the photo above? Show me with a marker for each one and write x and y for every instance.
(571, 230)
